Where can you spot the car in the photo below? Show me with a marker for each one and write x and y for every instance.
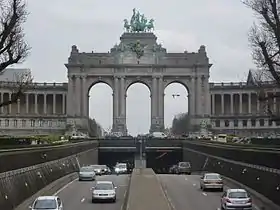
(211, 181)
(236, 199)
(98, 169)
(105, 169)
(104, 190)
(121, 168)
(184, 168)
(87, 173)
(173, 169)
(47, 202)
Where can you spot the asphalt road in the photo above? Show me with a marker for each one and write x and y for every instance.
(77, 195)
(184, 193)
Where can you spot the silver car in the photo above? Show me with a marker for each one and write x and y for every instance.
(87, 173)
(47, 202)
(236, 199)
(104, 190)
(211, 181)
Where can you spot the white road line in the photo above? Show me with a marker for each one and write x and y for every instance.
(186, 179)
(194, 184)
(205, 194)
(83, 199)
(64, 187)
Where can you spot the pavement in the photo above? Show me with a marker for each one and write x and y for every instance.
(184, 193)
(77, 194)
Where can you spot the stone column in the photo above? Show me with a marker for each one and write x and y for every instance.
(240, 103)
(78, 96)
(84, 96)
(27, 103)
(258, 105)
(154, 95)
(70, 98)
(122, 97)
(161, 102)
(10, 105)
(231, 104)
(193, 107)
(54, 104)
(63, 103)
(45, 103)
(18, 106)
(213, 104)
(274, 104)
(249, 103)
(36, 103)
(207, 96)
(2, 100)
(115, 102)
(198, 95)
(223, 103)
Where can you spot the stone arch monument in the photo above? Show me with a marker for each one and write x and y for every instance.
(137, 58)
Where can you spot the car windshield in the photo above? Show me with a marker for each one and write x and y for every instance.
(104, 186)
(237, 195)
(86, 169)
(121, 166)
(45, 204)
(184, 164)
(212, 176)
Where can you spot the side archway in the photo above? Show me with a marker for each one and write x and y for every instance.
(176, 107)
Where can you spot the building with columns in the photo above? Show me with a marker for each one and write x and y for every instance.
(48, 108)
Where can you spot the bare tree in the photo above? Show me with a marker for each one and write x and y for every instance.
(13, 47)
(264, 38)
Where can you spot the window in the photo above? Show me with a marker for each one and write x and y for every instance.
(217, 123)
(50, 123)
(253, 123)
(15, 123)
(226, 123)
(270, 123)
(235, 123)
(244, 123)
(32, 123)
(7, 122)
(0, 123)
(261, 122)
(41, 123)
(23, 122)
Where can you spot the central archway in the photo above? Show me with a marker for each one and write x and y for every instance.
(138, 108)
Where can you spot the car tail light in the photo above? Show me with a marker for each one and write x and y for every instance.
(249, 200)
(227, 200)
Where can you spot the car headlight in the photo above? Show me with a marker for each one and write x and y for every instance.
(111, 194)
(117, 169)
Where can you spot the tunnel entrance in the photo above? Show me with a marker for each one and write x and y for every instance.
(161, 160)
(110, 158)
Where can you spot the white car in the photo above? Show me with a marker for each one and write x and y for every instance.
(236, 199)
(121, 168)
(47, 202)
(104, 190)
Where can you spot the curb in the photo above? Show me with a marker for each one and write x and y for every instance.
(48, 190)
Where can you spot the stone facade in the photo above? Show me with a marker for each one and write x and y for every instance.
(51, 107)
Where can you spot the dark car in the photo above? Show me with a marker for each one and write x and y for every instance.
(184, 168)
(173, 169)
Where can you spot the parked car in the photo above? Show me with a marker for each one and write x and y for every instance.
(87, 173)
(184, 168)
(236, 199)
(104, 190)
(211, 181)
(47, 202)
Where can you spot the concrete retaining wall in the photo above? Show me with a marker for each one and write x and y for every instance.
(263, 180)
(18, 185)
(25, 158)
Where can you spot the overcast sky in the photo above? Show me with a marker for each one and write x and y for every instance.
(221, 25)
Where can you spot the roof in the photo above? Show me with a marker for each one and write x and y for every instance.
(104, 182)
(12, 74)
(46, 197)
(255, 76)
(236, 190)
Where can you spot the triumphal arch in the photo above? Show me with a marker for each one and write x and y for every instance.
(137, 58)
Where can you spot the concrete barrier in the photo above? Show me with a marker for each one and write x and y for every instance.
(18, 185)
(144, 188)
(26, 158)
(263, 180)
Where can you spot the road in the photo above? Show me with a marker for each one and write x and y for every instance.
(184, 193)
(77, 195)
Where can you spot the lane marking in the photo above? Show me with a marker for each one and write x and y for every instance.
(186, 179)
(194, 184)
(64, 187)
(205, 194)
(83, 199)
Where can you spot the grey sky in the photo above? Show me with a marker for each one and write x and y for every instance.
(53, 26)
